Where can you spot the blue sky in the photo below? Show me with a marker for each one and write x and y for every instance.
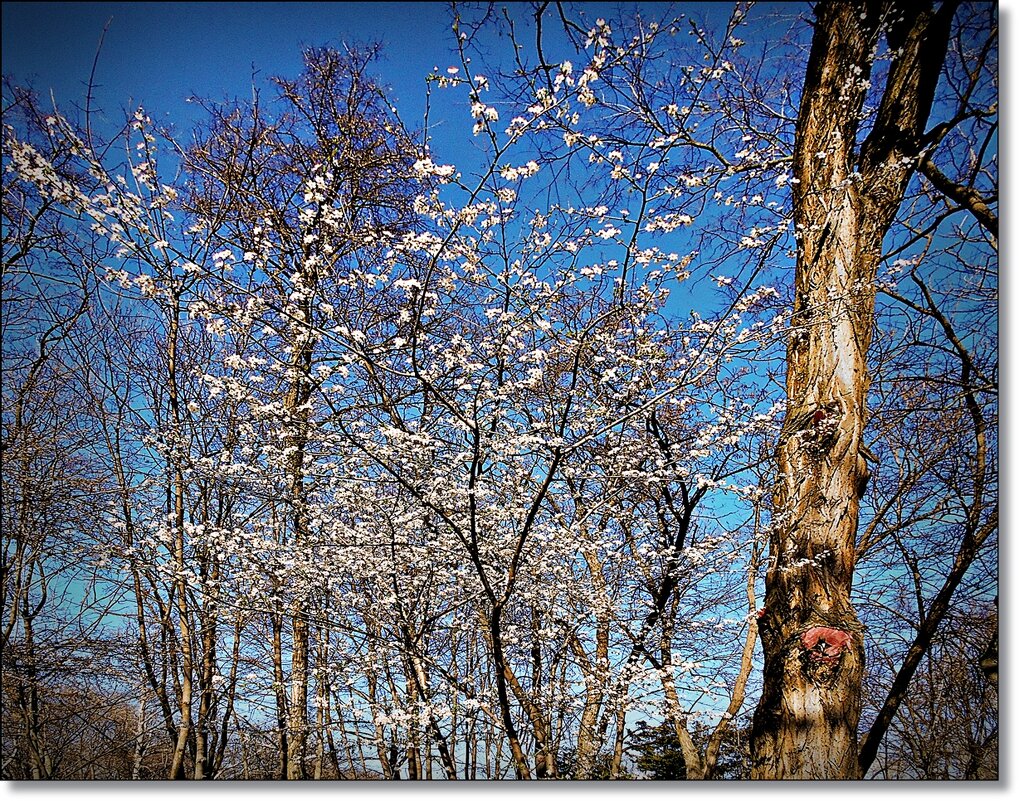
(157, 54)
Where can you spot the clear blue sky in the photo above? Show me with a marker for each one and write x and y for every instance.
(157, 54)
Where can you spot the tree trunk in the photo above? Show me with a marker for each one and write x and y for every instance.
(28, 692)
(544, 758)
(674, 714)
(588, 742)
(139, 738)
(380, 735)
(805, 726)
(298, 712)
(297, 412)
(421, 683)
(175, 504)
(276, 619)
(501, 666)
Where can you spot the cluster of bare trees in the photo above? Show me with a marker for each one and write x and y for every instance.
(323, 458)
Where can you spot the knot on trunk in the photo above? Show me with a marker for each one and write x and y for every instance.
(824, 645)
(821, 653)
(821, 429)
(816, 427)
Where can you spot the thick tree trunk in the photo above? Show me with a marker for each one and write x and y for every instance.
(805, 726)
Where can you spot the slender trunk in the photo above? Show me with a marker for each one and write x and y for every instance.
(544, 757)
(181, 588)
(281, 694)
(413, 755)
(205, 701)
(380, 735)
(231, 693)
(38, 758)
(588, 742)
(502, 692)
(320, 721)
(297, 724)
(158, 687)
(296, 408)
(420, 676)
(205, 736)
(745, 669)
(616, 766)
(471, 756)
(321, 699)
(245, 762)
(139, 738)
(348, 750)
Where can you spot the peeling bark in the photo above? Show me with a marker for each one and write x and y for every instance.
(805, 726)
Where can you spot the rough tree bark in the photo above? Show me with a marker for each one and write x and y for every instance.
(846, 198)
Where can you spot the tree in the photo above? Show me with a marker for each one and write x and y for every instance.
(336, 145)
(48, 477)
(407, 468)
(844, 204)
(659, 752)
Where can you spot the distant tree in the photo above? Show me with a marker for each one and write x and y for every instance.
(657, 750)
